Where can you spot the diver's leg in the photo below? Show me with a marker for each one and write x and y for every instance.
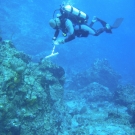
(102, 22)
(93, 31)
(105, 25)
(95, 19)
(89, 29)
(99, 31)
(106, 29)
(84, 29)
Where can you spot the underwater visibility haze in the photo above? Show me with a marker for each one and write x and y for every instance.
(87, 89)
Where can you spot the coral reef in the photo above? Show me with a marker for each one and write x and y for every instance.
(100, 72)
(31, 94)
(98, 103)
(125, 96)
(35, 101)
(96, 92)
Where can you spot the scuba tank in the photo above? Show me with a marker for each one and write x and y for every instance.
(70, 10)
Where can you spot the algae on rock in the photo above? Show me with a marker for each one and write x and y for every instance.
(31, 94)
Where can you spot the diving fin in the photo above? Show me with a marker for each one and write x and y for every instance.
(117, 23)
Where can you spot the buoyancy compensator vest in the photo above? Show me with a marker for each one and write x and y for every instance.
(74, 14)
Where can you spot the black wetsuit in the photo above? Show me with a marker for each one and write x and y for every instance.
(72, 31)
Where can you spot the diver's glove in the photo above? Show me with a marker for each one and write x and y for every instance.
(54, 38)
(61, 41)
(58, 42)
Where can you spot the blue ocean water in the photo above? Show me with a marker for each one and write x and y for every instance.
(26, 24)
(92, 107)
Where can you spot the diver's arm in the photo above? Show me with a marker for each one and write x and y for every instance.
(70, 29)
(69, 38)
(56, 34)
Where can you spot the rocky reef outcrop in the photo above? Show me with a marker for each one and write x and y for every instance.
(101, 84)
(125, 96)
(31, 94)
(100, 72)
(32, 103)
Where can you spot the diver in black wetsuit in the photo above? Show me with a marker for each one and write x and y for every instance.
(82, 30)
(72, 30)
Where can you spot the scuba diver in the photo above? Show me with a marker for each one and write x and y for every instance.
(73, 23)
